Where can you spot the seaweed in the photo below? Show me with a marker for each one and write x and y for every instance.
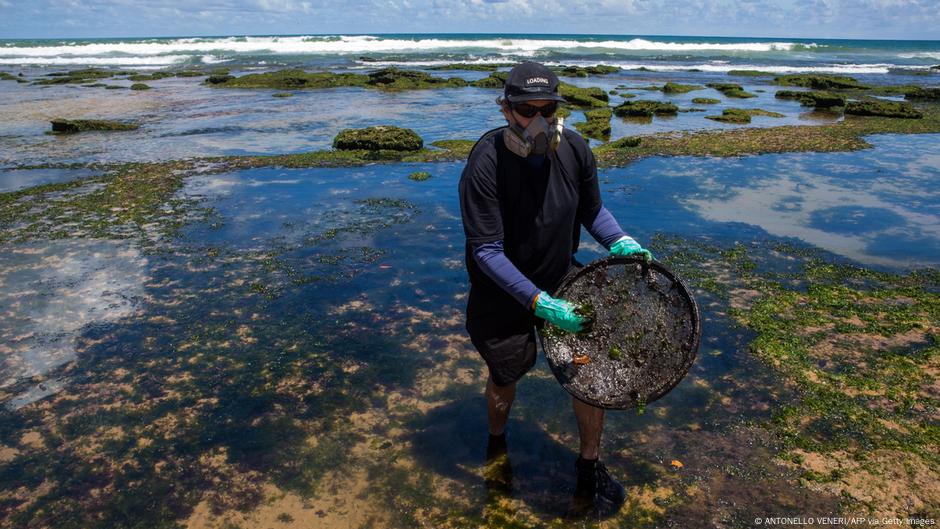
(392, 79)
(731, 90)
(71, 126)
(645, 108)
(819, 81)
(705, 101)
(675, 88)
(381, 137)
(597, 125)
(889, 109)
(419, 176)
(814, 98)
(140, 86)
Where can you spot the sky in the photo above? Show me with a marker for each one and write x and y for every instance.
(869, 19)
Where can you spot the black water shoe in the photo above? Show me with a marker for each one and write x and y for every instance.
(594, 482)
(497, 471)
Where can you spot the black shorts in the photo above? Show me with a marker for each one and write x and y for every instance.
(503, 332)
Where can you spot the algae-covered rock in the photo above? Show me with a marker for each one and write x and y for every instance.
(419, 176)
(190, 73)
(7, 77)
(676, 88)
(494, 80)
(590, 97)
(597, 125)
(626, 142)
(563, 112)
(820, 82)
(151, 77)
(742, 115)
(888, 109)
(815, 98)
(645, 108)
(750, 73)
(282, 94)
(919, 93)
(731, 90)
(78, 76)
(385, 79)
(705, 101)
(396, 79)
(140, 86)
(70, 126)
(732, 115)
(217, 80)
(382, 137)
(584, 71)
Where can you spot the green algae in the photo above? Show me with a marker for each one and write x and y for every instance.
(820, 82)
(78, 76)
(676, 88)
(597, 124)
(419, 176)
(493, 80)
(705, 101)
(814, 98)
(645, 108)
(151, 77)
(71, 126)
(282, 94)
(140, 86)
(918, 93)
(891, 109)
(731, 90)
(578, 97)
(846, 135)
(742, 115)
(584, 71)
(385, 79)
(381, 137)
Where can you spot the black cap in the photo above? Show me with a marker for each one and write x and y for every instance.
(530, 80)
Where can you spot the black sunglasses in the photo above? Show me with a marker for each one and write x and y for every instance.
(528, 111)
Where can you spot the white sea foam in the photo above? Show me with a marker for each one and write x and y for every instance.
(160, 60)
(711, 66)
(366, 44)
(921, 55)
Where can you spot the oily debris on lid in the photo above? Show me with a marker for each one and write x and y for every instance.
(643, 339)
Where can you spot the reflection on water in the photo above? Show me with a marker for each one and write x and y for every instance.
(51, 293)
(879, 206)
(23, 178)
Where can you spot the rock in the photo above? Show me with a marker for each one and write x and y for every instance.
(152, 77)
(919, 93)
(815, 98)
(190, 73)
(419, 176)
(218, 79)
(590, 97)
(820, 82)
(597, 125)
(78, 76)
(675, 88)
(888, 109)
(282, 94)
(731, 90)
(396, 79)
(494, 80)
(626, 141)
(645, 108)
(382, 137)
(69, 126)
(705, 101)
(140, 86)
(742, 115)
(584, 71)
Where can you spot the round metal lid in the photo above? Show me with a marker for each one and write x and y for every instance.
(643, 341)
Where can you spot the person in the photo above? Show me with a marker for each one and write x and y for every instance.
(525, 192)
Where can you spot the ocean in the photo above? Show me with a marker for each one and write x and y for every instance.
(662, 53)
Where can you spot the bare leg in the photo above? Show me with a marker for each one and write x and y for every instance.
(590, 424)
(498, 402)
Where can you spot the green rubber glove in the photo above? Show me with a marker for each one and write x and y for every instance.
(627, 246)
(558, 312)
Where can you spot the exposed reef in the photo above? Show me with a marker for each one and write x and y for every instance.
(819, 82)
(645, 108)
(815, 98)
(597, 125)
(731, 90)
(71, 126)
(742, 115)
(378, 138)
(889, 109)
(384, 79)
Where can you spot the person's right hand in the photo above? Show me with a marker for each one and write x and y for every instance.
(558, 312)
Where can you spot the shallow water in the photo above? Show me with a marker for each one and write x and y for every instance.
(307, 333)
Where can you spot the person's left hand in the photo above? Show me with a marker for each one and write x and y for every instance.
(627, 246)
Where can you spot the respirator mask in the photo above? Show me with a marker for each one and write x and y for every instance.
(537, 138)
